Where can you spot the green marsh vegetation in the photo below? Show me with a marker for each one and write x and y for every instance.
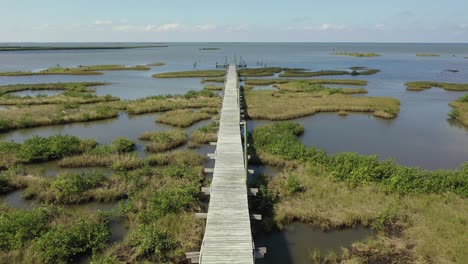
(211, 87)
(302, 73)
(37, 149)
(23, 116)
(73, 86)
(25, 48)
(356, 54)
(191, 74)
(162, 197)
(256, 72)
(427, 55)
(80, 70)
(17, 117)
(413, 210)
(160, 141)
(423, 85)
(73, 93)
(50, 235)
(182, 118)
(192, 99)
(258, 82)
(460, 110)
(216, 80)
(156, 64)
(209, 48)
(306, 86)
(203, 135)
(282, 105)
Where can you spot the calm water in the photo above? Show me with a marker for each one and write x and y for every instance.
(296, 243)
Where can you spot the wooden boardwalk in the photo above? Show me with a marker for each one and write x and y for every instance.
(228, 236)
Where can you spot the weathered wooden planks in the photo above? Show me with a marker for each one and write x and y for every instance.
(228, 235)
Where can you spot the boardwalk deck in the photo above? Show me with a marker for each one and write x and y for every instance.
(228, 236)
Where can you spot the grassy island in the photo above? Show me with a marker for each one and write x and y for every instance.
(260, 82)
(156, 64)
(460, 110)
(191, 74)
(305, 86)
(302, 73)
(22, 116)
(80, 70)
(427, 55)
(256, 72)
(182, 118)
(209, 48)
(272, 105)
(32, 48)
(421, 86)
(356, 54)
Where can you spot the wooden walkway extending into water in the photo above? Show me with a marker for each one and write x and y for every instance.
(228, 236)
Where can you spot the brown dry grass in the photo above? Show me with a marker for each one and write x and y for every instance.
(273, 105)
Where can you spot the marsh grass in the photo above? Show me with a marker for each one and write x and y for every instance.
(160, 141)
(427, 55)
(306, 86)
(74, 86)
(22, 116)
(422, 85)
(213, 87)
(356, 54)
(271, 105)
(203, 135)
(202, 99)
(156, 64)
(191, 74)
(255, 72)
(25, 48)
(302, 73)
(177, 157)
(80, 70)
(258, 82)
(53, 114)
(460, 110)
(182, 118)
(38, 149)
(218, 80)
(65, 98)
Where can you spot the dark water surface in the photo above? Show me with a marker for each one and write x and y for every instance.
(297, 242)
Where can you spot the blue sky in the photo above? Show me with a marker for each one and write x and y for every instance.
(240, 20)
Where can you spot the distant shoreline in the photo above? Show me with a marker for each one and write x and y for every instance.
(26, 48)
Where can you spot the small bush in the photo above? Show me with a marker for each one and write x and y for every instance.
(292, 185)
(67, 186)
(17, 227)
(149, 241)
(174, 200)
(122, 144)
(55, 147)
(65, 243)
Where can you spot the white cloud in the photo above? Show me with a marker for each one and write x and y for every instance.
(163, 28)
(206, 27)
(238, 28)
(103, 22)
(463, 26)
(325, 27)
(124, 28)
(380, 26)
